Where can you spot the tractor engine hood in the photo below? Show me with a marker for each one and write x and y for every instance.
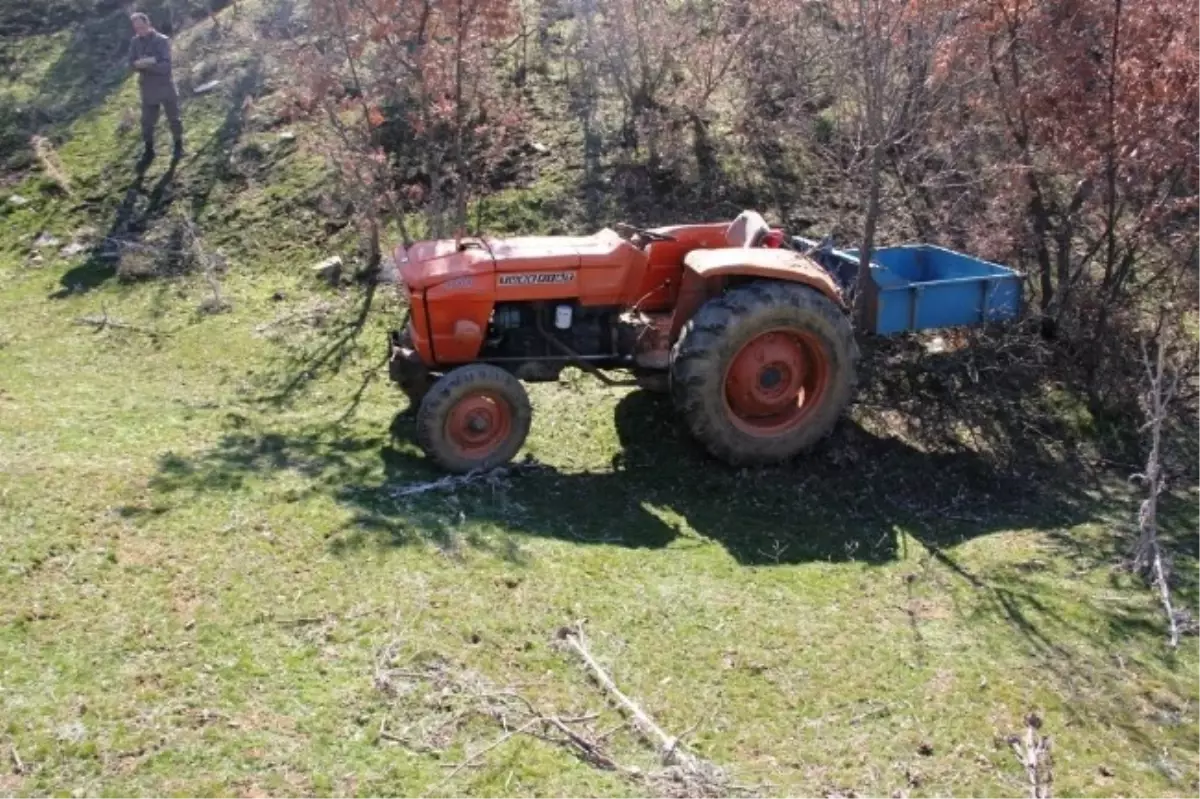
(428, 263)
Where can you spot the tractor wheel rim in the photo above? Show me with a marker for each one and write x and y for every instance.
(478, 424)
(775, 381)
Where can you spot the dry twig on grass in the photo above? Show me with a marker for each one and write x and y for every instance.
(458, 694)
(51, 164)
(105, 322)
(684, 773)
(1034, 755)
(493, 477)
(314, 315)
(17, 763)
(212, 264)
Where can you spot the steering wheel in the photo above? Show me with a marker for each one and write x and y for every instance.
(648, 235)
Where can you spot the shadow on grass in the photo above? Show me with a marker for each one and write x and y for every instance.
(91, 68)
(307, 359)
(133, 217)
(212, 162)
(855, 498)
(866, 494)
(139, 211)
(851, 499)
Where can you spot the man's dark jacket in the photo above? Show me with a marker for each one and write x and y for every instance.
(155, 81)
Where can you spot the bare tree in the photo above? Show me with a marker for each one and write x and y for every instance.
(403, 87)
(886, 91)
(1162, 384)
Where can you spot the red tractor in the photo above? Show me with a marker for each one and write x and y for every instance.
(751, 337)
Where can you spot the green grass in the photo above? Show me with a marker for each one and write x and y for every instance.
(203, 557)
(200, 572)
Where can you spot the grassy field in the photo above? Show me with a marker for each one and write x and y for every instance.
(211, 586)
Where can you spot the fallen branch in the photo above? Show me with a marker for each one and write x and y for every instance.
(457, 694)
(589, 750)
(667, 746)
(684, 774)
(104, 321)
(495, 744)
(18, 764)
(1034, 755)
(455, 481)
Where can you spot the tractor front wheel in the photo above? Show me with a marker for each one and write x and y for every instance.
(474, 417)
(763, 372)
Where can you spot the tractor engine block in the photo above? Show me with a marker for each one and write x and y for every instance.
(537, 339)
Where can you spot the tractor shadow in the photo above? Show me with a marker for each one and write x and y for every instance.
(939, 448)
(855, 497)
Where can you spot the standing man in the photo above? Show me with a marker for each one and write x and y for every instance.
(150, 55)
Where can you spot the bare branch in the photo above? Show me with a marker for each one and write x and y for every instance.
(17, 763)
(1034, 755)
(645, 724)
(105, 322)
(494, 745)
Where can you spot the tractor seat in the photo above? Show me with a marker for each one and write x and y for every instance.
(747, 230)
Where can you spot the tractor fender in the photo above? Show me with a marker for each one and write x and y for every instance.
(706, 270)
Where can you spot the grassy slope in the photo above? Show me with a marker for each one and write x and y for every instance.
(202, 557)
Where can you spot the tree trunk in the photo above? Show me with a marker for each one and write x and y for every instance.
(460, 169)
(1040, 220)
(706, 161)
(870, 222)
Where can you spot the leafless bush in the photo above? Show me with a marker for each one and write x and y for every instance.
(173, 249)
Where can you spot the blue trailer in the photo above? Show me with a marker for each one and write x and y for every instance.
(913, 287)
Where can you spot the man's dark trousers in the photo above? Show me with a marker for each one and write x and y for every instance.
(150, 112)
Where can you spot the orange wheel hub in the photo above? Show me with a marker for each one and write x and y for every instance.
(775, 380)
(478, 424)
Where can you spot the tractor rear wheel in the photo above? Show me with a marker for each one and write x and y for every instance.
(474, 417)
(763, 372)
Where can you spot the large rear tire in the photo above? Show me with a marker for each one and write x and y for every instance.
(763, 372)
(474, 417)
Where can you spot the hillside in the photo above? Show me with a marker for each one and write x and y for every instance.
(218, 578)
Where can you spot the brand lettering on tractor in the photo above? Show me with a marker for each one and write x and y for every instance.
(537, 279)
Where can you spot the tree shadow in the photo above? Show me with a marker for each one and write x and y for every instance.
(212, 162)
(308, 359)
(934, 461)
(851, 499)
(868, 494)
(136, 214)
(90, 69)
